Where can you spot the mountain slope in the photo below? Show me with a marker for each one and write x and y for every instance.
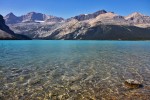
(7, 34)
(106, 26)
(84, 31)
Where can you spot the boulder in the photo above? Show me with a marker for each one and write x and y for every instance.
(131, 83)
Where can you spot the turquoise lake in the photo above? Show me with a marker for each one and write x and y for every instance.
(73, 70)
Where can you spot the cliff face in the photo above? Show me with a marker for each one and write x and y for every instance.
(7, 34)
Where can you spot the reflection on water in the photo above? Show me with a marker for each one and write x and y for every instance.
(73, 70)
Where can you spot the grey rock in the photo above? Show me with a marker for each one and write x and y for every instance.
(131, 83)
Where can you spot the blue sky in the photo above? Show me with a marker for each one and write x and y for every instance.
(69, 8)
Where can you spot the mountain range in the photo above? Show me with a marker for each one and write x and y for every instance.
(31, 17)
(100, 25)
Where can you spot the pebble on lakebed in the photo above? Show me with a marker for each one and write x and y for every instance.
(131, 83)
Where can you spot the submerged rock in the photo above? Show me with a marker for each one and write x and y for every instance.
(131, 83)
(75, 87)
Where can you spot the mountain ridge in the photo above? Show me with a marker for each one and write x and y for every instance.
(31, 17)
(80, 26)
(95, 14)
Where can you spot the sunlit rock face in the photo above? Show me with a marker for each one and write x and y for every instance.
(138, 18)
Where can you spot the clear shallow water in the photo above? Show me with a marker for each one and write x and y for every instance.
(74, 70)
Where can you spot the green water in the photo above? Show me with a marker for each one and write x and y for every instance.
(73, 70)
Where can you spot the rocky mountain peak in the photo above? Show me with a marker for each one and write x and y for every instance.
(10, 15)
(31, 17)
(134, 15)
(32, 12)
(100, 12)
(137, 14)
(11, 18)
(83, 17)
(137, 18)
